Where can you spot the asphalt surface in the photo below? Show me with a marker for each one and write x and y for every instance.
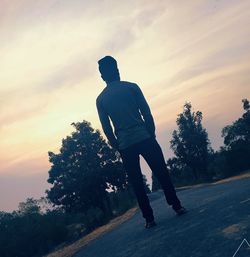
(217, 223)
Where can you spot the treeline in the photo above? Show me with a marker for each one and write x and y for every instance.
(195, 161)
(33, 232)
(89, 185)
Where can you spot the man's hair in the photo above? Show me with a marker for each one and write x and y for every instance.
(108, 68)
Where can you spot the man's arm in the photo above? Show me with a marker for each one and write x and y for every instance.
(145, 110)
(106, 126)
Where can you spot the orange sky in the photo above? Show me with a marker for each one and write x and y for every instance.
(176, 51)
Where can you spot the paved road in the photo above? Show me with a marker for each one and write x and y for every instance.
(217, 222)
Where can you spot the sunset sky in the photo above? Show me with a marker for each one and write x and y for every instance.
(176, 51)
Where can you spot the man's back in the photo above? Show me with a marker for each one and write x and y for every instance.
(124, 103)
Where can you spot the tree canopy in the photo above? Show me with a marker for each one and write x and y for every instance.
(237, 140)
(190, 141)
(79, 174)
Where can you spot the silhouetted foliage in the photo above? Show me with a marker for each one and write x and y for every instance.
(218, 165)
(190, 142)
(122, 200)
(115, 176)
(77, 172)
(179, 172)
(237, 141)
(30, 234)
(30, 206)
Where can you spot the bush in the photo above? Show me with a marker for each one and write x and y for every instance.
(121, 201)
(30, 235)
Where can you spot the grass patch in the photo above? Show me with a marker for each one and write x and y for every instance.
(71, 249)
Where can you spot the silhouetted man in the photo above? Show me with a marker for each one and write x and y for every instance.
(123, 103)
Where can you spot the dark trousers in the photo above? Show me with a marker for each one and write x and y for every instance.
(152, 153)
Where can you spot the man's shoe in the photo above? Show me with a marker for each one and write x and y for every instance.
(150, 224)
(181, 211)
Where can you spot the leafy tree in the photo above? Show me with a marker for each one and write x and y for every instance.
(46, 205)
(115, 176)
(179, 172)
(76, 173)
(29, 233)
(30, 206)
(237, 141)
(190, 142)
(218, 164)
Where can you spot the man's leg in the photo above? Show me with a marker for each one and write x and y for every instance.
(152, 153)
(131, 163)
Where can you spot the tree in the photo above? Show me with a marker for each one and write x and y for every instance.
(30, 206)
(218, 165)
(115, 176)
(190, 142)
(76, 174)
(237, 141)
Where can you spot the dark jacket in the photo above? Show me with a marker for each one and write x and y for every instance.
(123, 103)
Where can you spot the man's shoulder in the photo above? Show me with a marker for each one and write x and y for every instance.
(132, 86)
(128, 83)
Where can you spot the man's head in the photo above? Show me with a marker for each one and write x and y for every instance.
(108, 69)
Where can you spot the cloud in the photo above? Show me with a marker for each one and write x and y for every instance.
(56, 53)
